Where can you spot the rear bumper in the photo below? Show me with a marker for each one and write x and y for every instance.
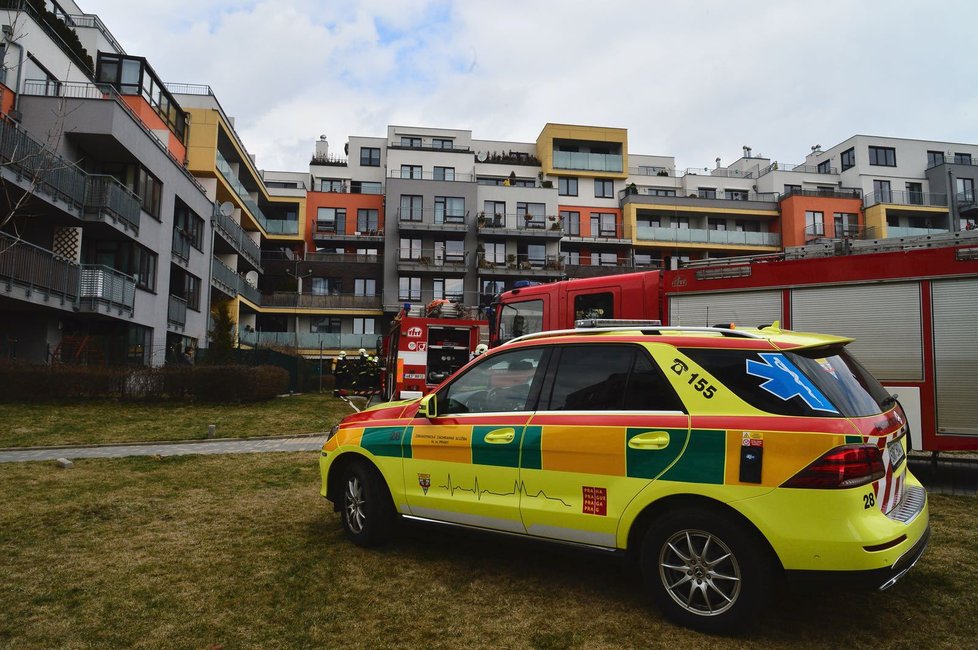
(878, 579)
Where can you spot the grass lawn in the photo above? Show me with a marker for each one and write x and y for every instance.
(99, 421)
(240, 551)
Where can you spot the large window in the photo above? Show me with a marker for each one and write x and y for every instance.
(846, 224)
(848, 158)
(150, 191)
(451, 251)
(364, 287)
(409, 288)
(824, 167)
(444, 174)
(325, 325)
(814, 223)
(188, 225)
(129, 258)
(442, 143)
(449, 209)
(604, 188)
(567, 186)
(370, 156)
(448, 289)
(410, 208)
(495, 252)
(603, 224)
(962, 158)
(367, 220)
(965, 189)
(935, 158)
(330, 219)
(411, 171)
(882, 191)
(363, 325)
(332, 185)
(882, 156)
(410, 249)
(410, 141)
(571, 222)
(187, 286)
(495, 213)
(706, 192)
(325, 286)
(532, 215)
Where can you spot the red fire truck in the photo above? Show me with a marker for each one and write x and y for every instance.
(420, 352)
(911, 306)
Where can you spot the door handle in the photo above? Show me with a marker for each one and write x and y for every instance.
(500, 436)
(650, 440)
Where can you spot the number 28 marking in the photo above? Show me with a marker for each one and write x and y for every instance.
(869, 500)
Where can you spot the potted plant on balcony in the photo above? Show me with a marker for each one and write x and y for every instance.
(511, 261)
(481, 219)
(631, 189)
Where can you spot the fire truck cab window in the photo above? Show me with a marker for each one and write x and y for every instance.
(594, 305)
(500, 383)
(519, 318)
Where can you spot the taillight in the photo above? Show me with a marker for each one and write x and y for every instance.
(843, 467)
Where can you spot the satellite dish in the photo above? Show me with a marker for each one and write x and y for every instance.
(481, 156)
(251, 277)
(226, 208)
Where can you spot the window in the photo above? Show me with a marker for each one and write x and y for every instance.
(604, 259)
(409, 288)
(788, 189)
(716, 224)
(451, 251)
(846, 224)
(330, 219)
(372, 252)
(370, 156)
(410, 141)
(742, 225)
(531, 215)
(915, 193)
(594, 305)
(736, 195)
(567, 186)
(536, 255)
(365, 287)
(824, 167)
(519, 318)
(186, 286)
(149, 189)
(363, 325)
(325, 325)
(495, 213)
(681, 223)
(882, 191)
(188, 225)
(491, 288)
(448, 289)
(449, 209)
(935, 158)
(609, 378)
(495, 252)
(649, 222)
(332, 185)
(706, 192)
(411, 171)
(410, 208)
(444, 174)
(366, 187)
(570, 220)
(965, 188)
(367, 220)
(848, 158)
(442, 143)
(410, 249)
(814, 223)
(882, 156)
(573, 258)
(962, 158)
(604, 188)
(500, 383)
(325, 286)
(655, 191)
(603, 224)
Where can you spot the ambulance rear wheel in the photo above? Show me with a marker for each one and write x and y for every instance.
(704, 570)
(366, 508)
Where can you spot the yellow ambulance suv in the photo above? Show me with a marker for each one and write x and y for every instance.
(720, 459)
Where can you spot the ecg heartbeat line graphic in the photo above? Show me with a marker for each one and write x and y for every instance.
(518, 488)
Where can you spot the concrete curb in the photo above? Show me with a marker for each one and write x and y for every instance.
(147, 443)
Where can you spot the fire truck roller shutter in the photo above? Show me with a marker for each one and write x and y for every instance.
(743, 308)
(955, 305)
(883, 318)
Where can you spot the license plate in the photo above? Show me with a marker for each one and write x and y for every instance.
(896, 452)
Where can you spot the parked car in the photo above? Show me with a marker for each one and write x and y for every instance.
(719, 458)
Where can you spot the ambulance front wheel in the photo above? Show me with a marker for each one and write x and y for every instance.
(705, 570)
(366, 508)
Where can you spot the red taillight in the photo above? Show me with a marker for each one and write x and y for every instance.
(843, 467)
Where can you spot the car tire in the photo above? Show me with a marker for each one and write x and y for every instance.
(705, 570)
(366, 508)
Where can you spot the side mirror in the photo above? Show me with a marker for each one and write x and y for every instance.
(428, 406)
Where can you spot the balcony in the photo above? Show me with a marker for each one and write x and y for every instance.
(343, 258)
(817, 231)
(591, 162)
(659, 235)
(231, 283)
(522, 265)
(176, 313)
(410, 175)
(841, 193)
(898, 231)
(106, 199)
(969, 161)
(333, 232)
(292, 300)
(270, 226)
(620, 266)
(432, 220)
(39, 168)
(420, 147)
(902, 197)
(51, 24)
(102, 288)
(34, 274)
(432, 261)
(805, 169)
(309, 340)
(537, 225)
(719, 198)
(180, 247)
(235, 235)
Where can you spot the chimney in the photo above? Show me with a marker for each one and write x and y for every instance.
(322, 147)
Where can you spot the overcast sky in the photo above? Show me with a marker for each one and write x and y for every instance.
(693, 79)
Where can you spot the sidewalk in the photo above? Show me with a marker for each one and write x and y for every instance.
(179, 448)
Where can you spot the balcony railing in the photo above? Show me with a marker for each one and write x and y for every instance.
(181, 245)
(36, 269)
(102, 286)
(697, 236)
(35, 164)
(74, 52)
(232, 283)
(438, 219)
(344, 258)
(349, 187)
(431, 259)
(815, 231)
(270, 226)
(521, 263)
(314, 301)
(107, 197)
(176, 312)
(408, 175)
(717, 195)
(92, 21)
(596, 162)
(902, 197)
(841, 193)
(953, 160)
(807, 169)
(510, 221)
(898, 231)
(331, 230)
(309, 340)
(282, 227)
(237, 237)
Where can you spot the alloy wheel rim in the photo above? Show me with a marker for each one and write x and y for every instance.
(700, 572)
(355, 514)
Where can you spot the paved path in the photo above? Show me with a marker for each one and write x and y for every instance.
(305, 443)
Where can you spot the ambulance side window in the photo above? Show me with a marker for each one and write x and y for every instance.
(502, 382)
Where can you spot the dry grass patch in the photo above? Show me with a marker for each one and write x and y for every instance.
(241, 551)
(101, 421)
